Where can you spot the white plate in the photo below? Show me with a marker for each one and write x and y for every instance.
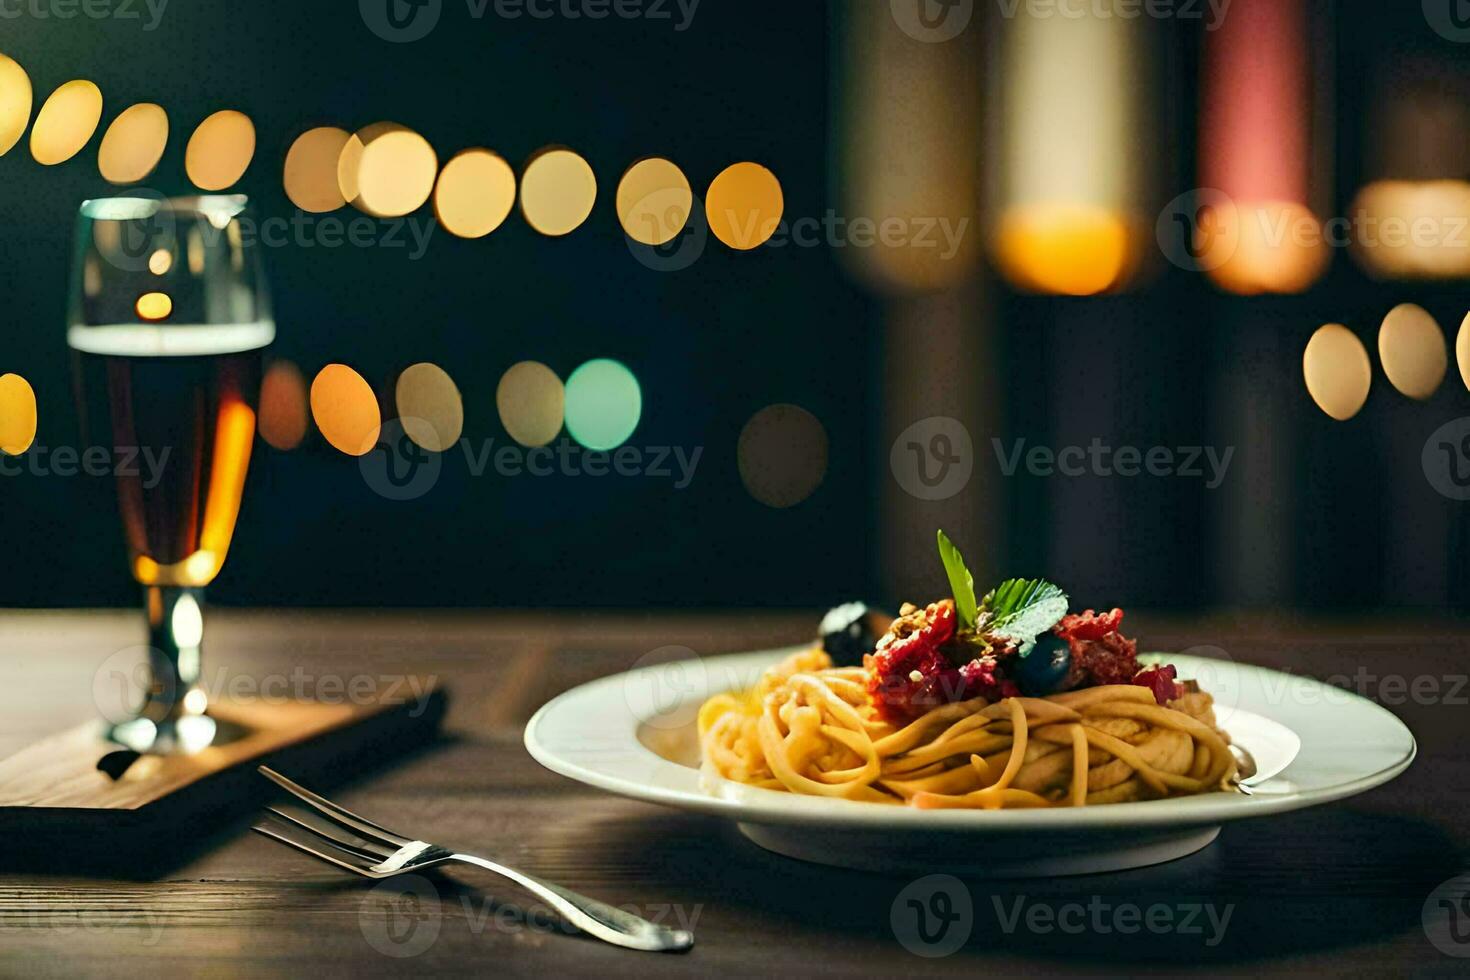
(633, 734)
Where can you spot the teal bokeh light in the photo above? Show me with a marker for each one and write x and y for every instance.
(603, 404)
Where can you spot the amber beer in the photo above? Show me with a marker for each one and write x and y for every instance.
(181, 402)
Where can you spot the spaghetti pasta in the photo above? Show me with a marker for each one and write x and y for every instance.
(811, 728)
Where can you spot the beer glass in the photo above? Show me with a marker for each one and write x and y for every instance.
(169, 318)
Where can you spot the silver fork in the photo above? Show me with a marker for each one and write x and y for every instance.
(376, 852)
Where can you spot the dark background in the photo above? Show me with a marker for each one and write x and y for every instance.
(1314, 512)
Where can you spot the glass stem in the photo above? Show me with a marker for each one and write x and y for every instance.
(175, 634)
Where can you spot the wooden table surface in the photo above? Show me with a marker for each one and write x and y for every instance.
(1335, 890)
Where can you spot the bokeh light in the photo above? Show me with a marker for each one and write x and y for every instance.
(17, 414)
(603, 404)
(133, 144)
(475, 193)
(531, 402)
(387, 170)
(15, 103)
(744, 206)
(160, 262)
(782, 454)
(1273, 247)
(654, 201)
(1276, 247)
(310, 172)
(558, 190)
(1073, 171)
(220, 150)
(908, 117)
(1412, 229)
(345, 410)
(1070, 250)
(1462, 351)
(152, 307)
(1411, 346)
(283, 406)
(1337, 371)
(430, 407)
(66, 122)
(1256, 149)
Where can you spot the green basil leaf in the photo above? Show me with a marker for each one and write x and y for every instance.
(1022, 609)
(961, 582)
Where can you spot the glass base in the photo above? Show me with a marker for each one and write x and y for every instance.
(179, 736)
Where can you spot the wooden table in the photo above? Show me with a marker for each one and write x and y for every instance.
(1334, 890)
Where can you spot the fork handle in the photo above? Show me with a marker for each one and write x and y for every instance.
(609, 924)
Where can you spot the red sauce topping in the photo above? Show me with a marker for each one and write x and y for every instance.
(915, 667)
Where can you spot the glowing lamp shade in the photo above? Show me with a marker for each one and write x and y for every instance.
(387, 170)
(345, 410)
(603, 404)
(66, 122)
(782, 455)
(558, 190)
(1067, 249)
(475, 193)
(1255, 149)
(1410, 216)
(910, 114)
(1411, 347)
(654, 201)
(283, 406)
(531, 402)
(17, 414)
(1072, 160)
(1413, 229)
(430, 408)
(15, 103)
(133, 144)
(1271, 247)
(744, 206)
(1337, 371)
(310, 173)
(220, 150)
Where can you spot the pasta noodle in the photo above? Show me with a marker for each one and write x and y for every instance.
(810, 728)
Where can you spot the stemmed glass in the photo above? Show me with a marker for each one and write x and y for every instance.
(169, 318)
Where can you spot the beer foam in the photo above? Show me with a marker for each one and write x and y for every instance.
(170, 340)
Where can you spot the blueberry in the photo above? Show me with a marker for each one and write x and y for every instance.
(848, 633)
(1045, 668)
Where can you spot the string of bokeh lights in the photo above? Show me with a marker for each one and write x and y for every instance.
(387, 170)
(1411, 350)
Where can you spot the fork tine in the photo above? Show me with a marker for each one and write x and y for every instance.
(319, 827)
(350, 820)
(323, 852)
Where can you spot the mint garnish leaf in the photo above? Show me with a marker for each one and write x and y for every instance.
(1020, 609)
(961, 583)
